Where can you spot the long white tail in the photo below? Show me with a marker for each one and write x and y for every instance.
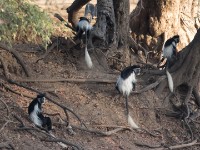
(87, 56)
(132, 123)
(130, 119)
(170, 81)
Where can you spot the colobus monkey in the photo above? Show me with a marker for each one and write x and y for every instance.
(35, 113)
(125, 84)
(170, 53)
(92, 9)
(169, 50)
(84, 26)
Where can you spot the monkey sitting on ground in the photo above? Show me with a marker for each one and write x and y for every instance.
(35, 113)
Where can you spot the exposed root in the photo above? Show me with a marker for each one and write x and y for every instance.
(108, 133)
(151, 86)
(61, 142)
(18, 57)
(69, 80)
(53, 45)
(65, 109)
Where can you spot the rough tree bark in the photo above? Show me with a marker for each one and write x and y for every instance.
(186, 70)
(72, 11)
(111, 29)
(153, 22)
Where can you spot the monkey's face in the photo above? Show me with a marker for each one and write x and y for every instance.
(41, 100)
(176, 38)
(137, 71)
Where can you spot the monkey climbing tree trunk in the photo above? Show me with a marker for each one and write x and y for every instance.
(186, 72)
(111, 29)
(153, 22)
(72, 11)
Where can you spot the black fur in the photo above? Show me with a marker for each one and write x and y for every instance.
(80, 30)
(173, 39)
(46, 121)
(129, 70)
(171, 60)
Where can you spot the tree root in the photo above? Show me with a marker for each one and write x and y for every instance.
(65, 109)
(69, 80)
(18, 57)
(147, 145)
(16, 92)
(53, 45)
(61, 142)
(108, 133)
(151, 86)
(165, 147)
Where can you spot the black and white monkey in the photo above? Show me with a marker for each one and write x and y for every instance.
(170, 53)
(92, 9)
(125, 84)
(35, 113)
(84, 26)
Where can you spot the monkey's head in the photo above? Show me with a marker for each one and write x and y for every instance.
(84, 18)
(41, 98)
(136, 69)
(176, 38)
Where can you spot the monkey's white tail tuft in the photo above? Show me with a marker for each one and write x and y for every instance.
(170, 81)
(132, 123)
(88, 58)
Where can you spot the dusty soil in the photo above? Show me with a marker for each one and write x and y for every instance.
(97, 104)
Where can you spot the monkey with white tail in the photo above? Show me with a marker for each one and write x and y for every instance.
(35, 113)
(125, 84)
(170, 53)
(84, 26)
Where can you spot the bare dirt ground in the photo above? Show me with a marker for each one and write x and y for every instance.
(97, 104)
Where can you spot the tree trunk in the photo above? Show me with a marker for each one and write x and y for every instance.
(186, 70)
(153, 22)
(110, 32)
(72, 11)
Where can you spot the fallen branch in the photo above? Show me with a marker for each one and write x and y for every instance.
(16, 92)
(61, 141)
(108, 133)
(57, 140)
(146, 145)
(51, 100)
(18, 57)
(184, 145)
(58, 16)
(68, 80)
